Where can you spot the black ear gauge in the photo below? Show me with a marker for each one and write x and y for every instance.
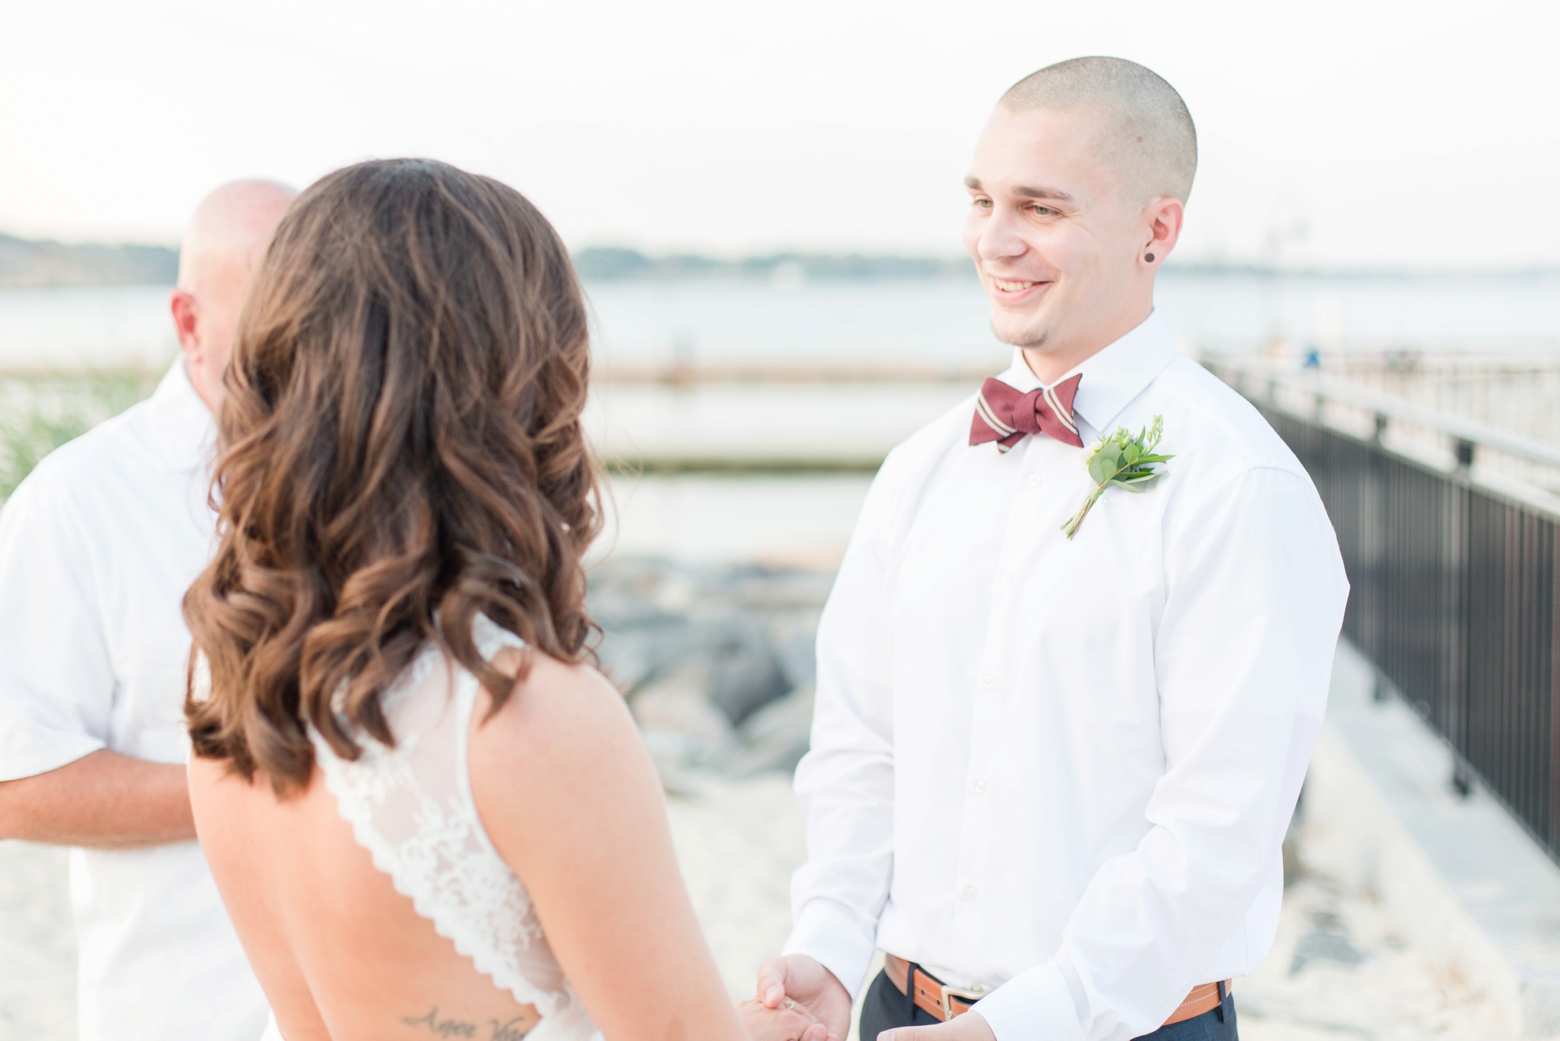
(1149, 258)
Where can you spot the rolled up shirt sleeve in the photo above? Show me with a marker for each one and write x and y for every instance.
(1255, 593)
(845, 783)
(56, 676)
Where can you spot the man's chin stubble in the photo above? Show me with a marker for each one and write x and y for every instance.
(1026, 339)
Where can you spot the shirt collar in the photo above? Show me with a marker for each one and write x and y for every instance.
(183, 428)
(1112, 377)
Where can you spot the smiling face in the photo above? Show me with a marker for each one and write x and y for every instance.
(1059, 235)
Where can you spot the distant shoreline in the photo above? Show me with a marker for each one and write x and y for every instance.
(26, 264)
(30, 264)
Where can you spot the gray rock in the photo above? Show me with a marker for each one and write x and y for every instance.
(777, 735)
(690, 643)
(682, 727)
(679, 703)
(746, 677)
(799, 656)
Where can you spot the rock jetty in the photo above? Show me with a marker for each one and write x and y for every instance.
(716, 661)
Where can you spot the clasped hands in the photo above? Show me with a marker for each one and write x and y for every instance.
(800, 1000)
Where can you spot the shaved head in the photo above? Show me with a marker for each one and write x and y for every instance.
(223, 244)
(230, 228)
(1146, 132)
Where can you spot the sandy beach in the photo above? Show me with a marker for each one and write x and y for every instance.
(1340, 968)
(37, 945)
(717, 661)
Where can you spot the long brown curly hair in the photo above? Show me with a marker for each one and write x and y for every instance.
(400, 450)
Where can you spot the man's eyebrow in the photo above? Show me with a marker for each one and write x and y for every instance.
(1053, 194)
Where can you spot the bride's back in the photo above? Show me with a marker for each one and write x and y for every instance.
(402, 769)
(376, 903)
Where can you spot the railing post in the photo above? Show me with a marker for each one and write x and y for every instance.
(1554, 695)
(1465, 453)
(1462, 778)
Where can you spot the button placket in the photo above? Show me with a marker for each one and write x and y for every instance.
(985, 729)
(1020, 524)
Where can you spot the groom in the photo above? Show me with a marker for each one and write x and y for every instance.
(1050, 774)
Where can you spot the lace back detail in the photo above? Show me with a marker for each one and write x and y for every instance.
(411, 807)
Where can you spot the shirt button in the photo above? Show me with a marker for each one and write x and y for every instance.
(988, 681)
(980, 787)
(1034, 480)
(969, 892)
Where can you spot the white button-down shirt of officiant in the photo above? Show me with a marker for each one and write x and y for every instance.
(97, 547)
(1059, 772)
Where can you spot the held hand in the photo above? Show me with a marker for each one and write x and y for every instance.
(801, 979)
(763, 1023)
(969, 1027)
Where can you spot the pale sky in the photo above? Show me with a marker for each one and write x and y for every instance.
(1407, 134)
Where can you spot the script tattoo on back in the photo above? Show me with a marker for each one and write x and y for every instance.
(444, 1026)
(508, 1031)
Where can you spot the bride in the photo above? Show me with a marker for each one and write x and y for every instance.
(427, 814)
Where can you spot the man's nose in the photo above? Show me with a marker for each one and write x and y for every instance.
(999, 239)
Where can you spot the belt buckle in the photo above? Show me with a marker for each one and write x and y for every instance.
(949, 993)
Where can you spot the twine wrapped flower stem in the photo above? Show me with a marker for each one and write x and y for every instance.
(1122, 460)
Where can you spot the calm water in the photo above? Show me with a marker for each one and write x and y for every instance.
(930, 322)
(945, 321)
(806, 519)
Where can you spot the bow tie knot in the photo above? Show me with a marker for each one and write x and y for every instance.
(1007, 415)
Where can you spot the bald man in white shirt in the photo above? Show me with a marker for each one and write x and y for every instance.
(97, 546)
(1051, 770)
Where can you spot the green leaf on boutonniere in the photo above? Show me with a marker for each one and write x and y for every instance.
(1122, 460)
(1097, 469)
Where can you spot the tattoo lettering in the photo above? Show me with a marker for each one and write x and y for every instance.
(441, 1027)
(508, 1031)
(512, 1030)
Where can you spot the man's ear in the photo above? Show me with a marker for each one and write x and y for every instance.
(1164, 230)
(182, 305)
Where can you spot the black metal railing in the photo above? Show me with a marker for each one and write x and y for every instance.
(1453, 568)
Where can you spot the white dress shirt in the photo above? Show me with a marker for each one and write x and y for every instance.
(96, 549)
(1059, 772)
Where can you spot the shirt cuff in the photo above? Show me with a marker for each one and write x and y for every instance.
(1035, 1005)
(832, 936)
(27, 751)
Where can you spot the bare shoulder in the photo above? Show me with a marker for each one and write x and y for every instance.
(563, 749)
(558, 708)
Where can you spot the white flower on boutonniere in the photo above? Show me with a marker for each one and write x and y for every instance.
(1123, 460)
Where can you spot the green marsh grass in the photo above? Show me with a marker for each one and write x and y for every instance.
(40, 411)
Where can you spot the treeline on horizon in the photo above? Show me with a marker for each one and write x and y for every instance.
(35, 264)
(603, 263)
(28, 264)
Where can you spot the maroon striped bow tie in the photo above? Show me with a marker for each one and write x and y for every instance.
(1007, 415)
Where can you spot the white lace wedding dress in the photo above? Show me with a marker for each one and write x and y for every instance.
(411, 807)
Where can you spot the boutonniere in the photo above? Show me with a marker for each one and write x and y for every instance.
(1123, 460)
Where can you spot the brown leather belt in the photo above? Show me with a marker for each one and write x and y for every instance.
(943, 1002)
